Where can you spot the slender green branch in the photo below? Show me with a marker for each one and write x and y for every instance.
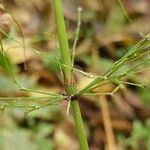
(132, 53)
(41, 92)
(124, 11)
(8, 69)
(34, 99)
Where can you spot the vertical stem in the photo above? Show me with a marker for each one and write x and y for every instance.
(67, 71)
(79, 125)
(63, 39)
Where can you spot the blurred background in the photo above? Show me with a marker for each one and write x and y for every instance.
(109, 29)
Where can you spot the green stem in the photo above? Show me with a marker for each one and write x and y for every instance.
(63, 39)
(79, 125)
(67, 71)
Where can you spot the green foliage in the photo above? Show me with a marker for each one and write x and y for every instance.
(110, 74)
(14, 137)
(144, 95)
(140, 136)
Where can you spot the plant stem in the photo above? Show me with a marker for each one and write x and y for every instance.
(79, 125)
(67, 71)
(78, 119)
(63, 40)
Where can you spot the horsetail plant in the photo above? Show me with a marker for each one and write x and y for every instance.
(72, 95)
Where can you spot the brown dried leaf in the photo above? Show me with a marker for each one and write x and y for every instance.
(93, 5)
(5, 24)
(18, 54)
